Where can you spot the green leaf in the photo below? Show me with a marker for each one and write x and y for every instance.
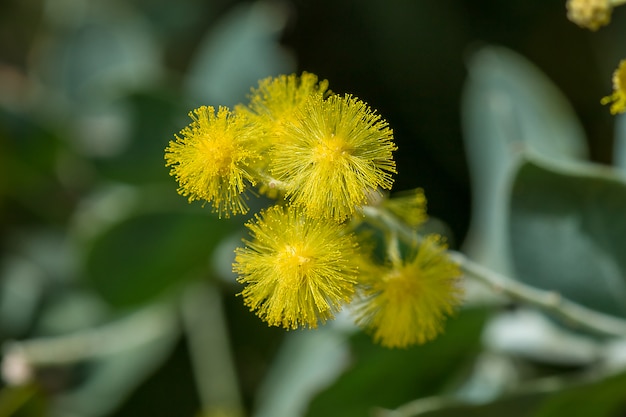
(599, 399)
(305, 363)
(242, 48)
(22, 401)
(154, 117)
(508, 106)
(619, 150)
(381, 377)
(29, 171)
(603, 397)
(142, 257)
(107, 380)
(89, 60)
(568, 232)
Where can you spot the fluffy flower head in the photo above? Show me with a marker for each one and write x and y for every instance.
(618, 98)
(409, 206)
(276, 100)
(210, 159)
(297, 271)
(274, 105)
(407, 303)
(334, 156)
(589, 14)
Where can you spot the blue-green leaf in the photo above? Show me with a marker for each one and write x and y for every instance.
(142, 257)
(509, 106)
(568, 232)
(240, 49)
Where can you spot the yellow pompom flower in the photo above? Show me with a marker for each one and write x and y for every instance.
(618, 98)
(273, 105)
(334, 156)
(406, 303)
(211, 159)
(298, 271)
(276, 99)
(589, 14)
(408, 206)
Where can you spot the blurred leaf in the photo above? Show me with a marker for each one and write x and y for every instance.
(604, 398)
(153, 117)
(22, 401)
(383, 377)
(97, 52)
(241, 49)
(29, 154)
(619, 147)
(168, 391)
(527, 333)
(598, 398)
(141, 257)
(307, 362)
(70, 310)
(110, 379)
(521, 405)
(508, 106)
(568, 232)
(29, 143)
(22, 284)
(254, 343)
(204, 322)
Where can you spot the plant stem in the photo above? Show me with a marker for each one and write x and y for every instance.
(574, 314)
(213, 364)
(143, 326)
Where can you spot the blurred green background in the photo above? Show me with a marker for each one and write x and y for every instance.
(95, 242)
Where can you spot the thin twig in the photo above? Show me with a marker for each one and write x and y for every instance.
(139, 328)
(204, 321)
(574, 314)
(539, 386)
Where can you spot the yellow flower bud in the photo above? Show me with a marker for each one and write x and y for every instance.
(618, 98)
(589, 14)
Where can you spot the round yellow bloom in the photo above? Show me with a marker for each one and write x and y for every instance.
(407, 303)
(211, 159)
(273, 105)
(277, 99)
(334, 156)
(297, 271)
(618, 98)
(589, 14)
(409, 206)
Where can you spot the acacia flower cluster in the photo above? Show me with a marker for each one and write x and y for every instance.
(322, 157)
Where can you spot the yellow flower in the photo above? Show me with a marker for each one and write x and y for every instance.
(273, 105)
(211, 159)
(409, 206)
(297, 271)
(407, 303)
(277, 99)
(589, 14)
(618, 98)
(334, 156)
